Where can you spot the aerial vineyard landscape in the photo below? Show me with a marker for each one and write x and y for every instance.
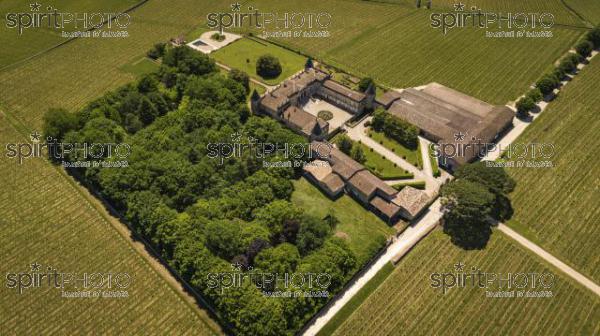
(316, 167)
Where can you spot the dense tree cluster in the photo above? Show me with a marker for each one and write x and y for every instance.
(473, 201)
(203, 214)
(268, 66)
(394, 128)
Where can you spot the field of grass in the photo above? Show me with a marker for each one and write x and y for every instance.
(412, 156)
(407, 304)
(558, 207)
(588, 9)
(16, 47)
(46, 220)
(243, 54)
(140, 66)
(362, 229)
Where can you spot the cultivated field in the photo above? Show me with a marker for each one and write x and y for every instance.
(406, 304)
(397, 46)
(16, 47)
(589, 9)
(365, 39)
(558, 207)
(46, 220)
(362, 229)
(77, 72)
(562, 14)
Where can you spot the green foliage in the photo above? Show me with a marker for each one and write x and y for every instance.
(283, 258)
(378, 121)
(344, 144)
(57, 122)
(547, 84)
(498, 182)
(594, 36)
(358, 154)
(524, 105)
(268, 66)
(240, 77)
(157, 51)
(200, 211)
(364, 84)
(401, 131)
(466, 206)
(535, 95)
(584, 48)
(312, 234)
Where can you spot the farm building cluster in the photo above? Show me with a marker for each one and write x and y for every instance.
(335, 172)
(446, 117)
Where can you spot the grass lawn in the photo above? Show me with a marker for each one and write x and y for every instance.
(558, 207)
(243, 54)
(356, 300)
(141, 66)
(407, 304)
(434, 162)
(413, 156)
(382, 167)
(362, 229)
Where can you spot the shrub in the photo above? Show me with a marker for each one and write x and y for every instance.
(594, 37)
(157, 51)
(364, 83)
(535, 95)
(217, 37)
(547, 83)
(524, 105)
(268, 66)
(584, 48)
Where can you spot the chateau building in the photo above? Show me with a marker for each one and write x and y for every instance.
(285, 102)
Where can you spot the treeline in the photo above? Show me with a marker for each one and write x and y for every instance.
(567, 65)
(395, 128)
(203, 214)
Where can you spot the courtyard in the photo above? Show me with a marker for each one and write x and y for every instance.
(338, 115)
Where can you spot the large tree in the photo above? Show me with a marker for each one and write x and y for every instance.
(466, 207)
(268, 66)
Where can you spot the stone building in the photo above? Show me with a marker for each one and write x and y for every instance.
(333, 172)
(285, 102)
